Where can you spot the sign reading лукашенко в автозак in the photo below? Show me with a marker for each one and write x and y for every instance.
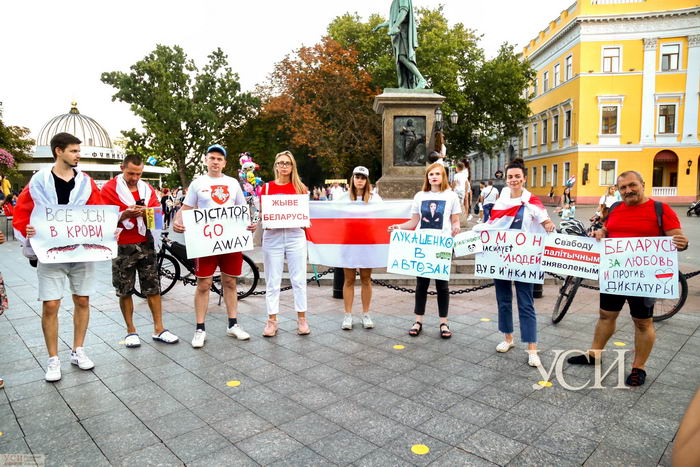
(420, 254)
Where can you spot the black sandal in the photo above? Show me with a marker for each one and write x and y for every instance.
(413, 331)
(445, 333)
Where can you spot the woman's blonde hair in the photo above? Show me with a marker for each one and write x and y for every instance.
(299, 187)
(366, 192)
(444, 185)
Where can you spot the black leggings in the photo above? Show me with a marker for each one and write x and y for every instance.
(443, 296)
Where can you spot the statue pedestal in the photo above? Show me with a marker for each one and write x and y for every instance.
(408, 118)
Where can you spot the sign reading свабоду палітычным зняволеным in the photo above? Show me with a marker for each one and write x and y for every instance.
(571, 255)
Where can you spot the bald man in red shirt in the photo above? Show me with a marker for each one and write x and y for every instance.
(635, 217)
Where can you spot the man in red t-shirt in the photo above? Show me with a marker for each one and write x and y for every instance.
(136, 248)
(635, 217)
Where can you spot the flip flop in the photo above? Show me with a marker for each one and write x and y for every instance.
(132, 340)
(166, 337)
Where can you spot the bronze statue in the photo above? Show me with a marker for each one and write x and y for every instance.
(404, 39)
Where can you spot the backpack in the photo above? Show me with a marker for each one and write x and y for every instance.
(658, 207)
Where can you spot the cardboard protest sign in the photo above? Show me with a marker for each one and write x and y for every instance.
(468, 243)
(74, 234)
(285, 211)
(420, 254)
(511, 255)
(570, 255)
(216, 231)
(639, 267)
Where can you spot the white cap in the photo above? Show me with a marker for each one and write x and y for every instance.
(361, 170)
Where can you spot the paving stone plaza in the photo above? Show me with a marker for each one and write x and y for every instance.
(360, 397)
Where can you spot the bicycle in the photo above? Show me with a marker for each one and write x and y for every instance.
(663, 308)
(172, 254)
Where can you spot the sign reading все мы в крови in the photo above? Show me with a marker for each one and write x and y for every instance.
(216, 231)
(284, 211)
(570, 255)
(511, 255)
(639, 267)
(74, 234)
(420, 254)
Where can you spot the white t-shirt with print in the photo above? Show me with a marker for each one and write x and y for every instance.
(208, 192)
(490, 194)
(435, 210)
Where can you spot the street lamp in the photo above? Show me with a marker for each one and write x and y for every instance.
(453, 117)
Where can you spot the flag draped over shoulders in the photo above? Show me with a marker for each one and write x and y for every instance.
(506, 209)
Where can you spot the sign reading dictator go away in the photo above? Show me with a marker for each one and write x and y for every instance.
(570, 255)
(284, 211)
(74, 234)
(511, 255)
(639, 267)
(216, 231)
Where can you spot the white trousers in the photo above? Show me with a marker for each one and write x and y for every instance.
(279, 244)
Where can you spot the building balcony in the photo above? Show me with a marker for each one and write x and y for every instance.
(664, 191)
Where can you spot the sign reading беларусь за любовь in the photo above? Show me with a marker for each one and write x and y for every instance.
(639, 267)
(74, 234)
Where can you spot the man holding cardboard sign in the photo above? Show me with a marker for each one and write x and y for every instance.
(62, 183)
(135, 199)
(636, 216)
(215, 190)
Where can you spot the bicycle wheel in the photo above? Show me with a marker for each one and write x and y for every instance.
(248, 280)
(665, 308)
(168, 273)
(567, 292)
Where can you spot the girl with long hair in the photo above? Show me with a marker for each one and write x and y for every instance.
(279, 244)
(530, 216)
(361, 192)
(435, 208)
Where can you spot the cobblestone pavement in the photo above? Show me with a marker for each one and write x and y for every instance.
(360, 397)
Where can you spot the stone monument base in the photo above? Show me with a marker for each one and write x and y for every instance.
(402, 176)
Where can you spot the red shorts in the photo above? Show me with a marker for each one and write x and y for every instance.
(229, 264)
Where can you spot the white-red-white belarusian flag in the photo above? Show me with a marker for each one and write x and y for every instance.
(353, 234)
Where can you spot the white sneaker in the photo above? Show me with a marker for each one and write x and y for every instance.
(347, 322)
(367, 321)
(533, 359)
(470, 217)
(238, 333)
(53, 370)
(505, 346)
(199, 338)
(79, 358)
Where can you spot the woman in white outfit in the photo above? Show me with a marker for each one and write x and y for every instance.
(279, 244)
(360, 192)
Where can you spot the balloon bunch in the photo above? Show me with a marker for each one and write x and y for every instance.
(252, 184)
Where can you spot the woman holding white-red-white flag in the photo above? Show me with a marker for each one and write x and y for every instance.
(517, 208)
(435, 207)
(289, 243)
(360, 192)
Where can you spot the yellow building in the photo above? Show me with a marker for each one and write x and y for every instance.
(616, 89)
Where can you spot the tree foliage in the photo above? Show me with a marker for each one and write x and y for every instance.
(323, 102)
(183, 110)
(16, 141)
(486, 94)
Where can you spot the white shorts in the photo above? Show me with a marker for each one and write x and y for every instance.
(52, 279)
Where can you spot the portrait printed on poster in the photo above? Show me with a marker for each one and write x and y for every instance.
(431, 214)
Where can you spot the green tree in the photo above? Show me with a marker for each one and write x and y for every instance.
(182, 109)
(16, 141)
(486, 94)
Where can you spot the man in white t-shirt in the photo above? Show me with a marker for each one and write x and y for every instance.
(488, 198)
(210, 191)
(336, 192)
